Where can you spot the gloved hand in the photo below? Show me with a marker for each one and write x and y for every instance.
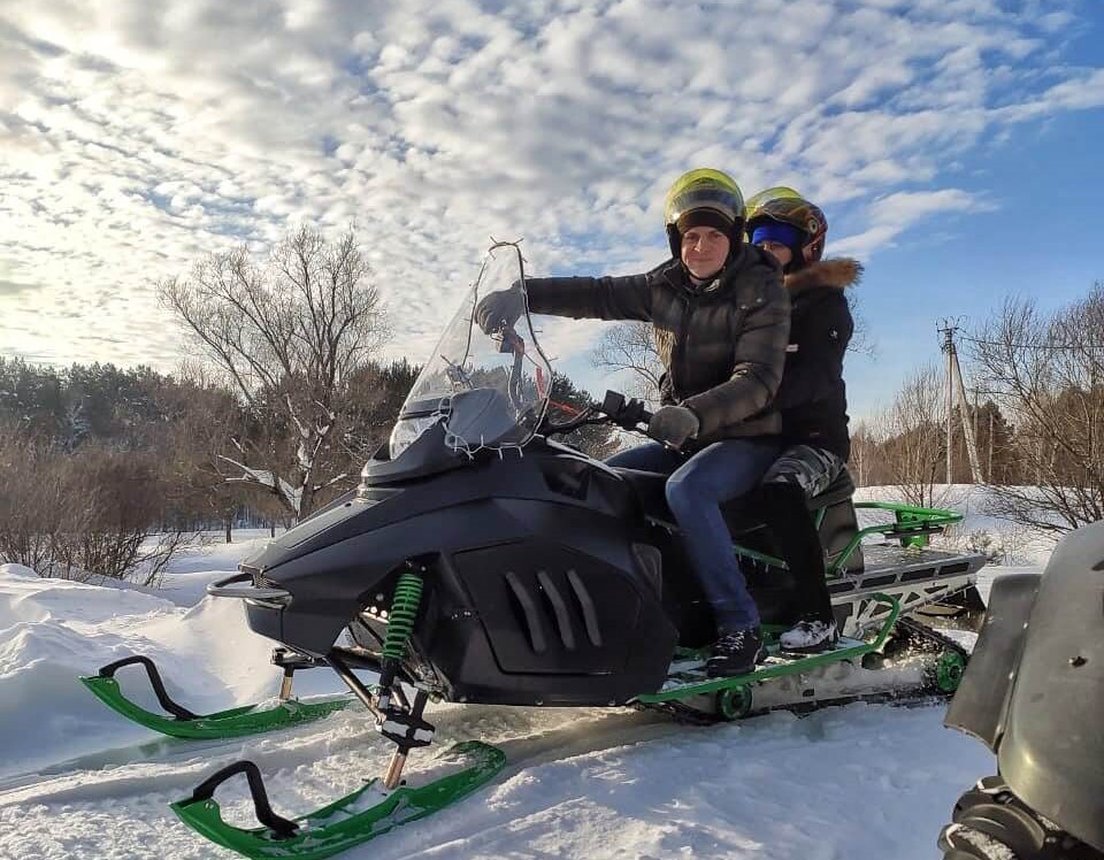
(499, 310)
(673, 425)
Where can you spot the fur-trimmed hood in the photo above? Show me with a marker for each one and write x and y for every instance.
(841, 273)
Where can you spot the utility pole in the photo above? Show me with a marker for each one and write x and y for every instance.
(989, 469)
(977, 399)
(948, 394)
(957, 391)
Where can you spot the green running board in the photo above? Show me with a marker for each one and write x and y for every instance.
(849, 649)
(343, 823)
(179, 722)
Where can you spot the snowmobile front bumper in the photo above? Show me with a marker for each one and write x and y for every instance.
(342, 824)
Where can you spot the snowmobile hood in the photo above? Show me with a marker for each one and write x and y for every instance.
(1052, 746)
(980, 705)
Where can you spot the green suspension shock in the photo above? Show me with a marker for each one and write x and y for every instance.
(400, 624)
(400, 621)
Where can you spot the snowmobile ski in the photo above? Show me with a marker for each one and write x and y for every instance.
(368, 812)
(179, 722)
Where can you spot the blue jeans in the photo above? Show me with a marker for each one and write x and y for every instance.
(696, 489)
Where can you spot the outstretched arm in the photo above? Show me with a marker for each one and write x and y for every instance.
(608, 298)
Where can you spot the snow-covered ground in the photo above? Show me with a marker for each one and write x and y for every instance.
(77, 780)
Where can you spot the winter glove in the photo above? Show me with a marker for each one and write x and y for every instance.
(673, 425)
(499, 310)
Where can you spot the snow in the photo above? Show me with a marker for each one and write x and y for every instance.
(78, 780)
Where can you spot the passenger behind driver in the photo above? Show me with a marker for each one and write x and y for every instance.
(812, 399)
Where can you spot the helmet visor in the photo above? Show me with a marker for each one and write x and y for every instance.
(719, 199)
(780, 193)
(704, 188)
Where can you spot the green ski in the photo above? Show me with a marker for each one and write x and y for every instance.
(179, 722)
(342, 824)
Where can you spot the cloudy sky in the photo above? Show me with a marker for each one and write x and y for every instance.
(955, 145)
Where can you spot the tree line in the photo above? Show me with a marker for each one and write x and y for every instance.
(101, 462)
(107, 471)
(1038, 377)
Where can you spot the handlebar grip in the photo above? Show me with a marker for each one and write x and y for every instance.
(625, 413)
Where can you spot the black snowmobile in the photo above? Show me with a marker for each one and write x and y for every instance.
(479, 561)
(1033, 693)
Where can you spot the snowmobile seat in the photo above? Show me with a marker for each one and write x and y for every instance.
(833, 509)
(650, 489)
(840, 490)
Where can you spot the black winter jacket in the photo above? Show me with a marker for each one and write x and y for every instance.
(722, 343)
(812, 397)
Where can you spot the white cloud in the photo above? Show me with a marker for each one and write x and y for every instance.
(137, 137)
(895, 213)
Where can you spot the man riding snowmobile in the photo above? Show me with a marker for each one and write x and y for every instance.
(720, 319)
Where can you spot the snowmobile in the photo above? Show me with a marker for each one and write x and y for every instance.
(481, 561)
(1033, 694)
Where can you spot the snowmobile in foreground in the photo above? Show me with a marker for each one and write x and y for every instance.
(479, 561)
(1033, 693)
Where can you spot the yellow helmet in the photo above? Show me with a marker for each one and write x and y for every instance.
(713, 196)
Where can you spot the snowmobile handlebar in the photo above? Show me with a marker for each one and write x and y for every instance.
(627, 413)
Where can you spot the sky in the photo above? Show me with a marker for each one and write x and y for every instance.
(954, 145)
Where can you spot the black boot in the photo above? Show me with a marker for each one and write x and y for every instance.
(735, 653)
(798, 543)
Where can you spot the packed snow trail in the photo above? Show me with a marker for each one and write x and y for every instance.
(858, 781)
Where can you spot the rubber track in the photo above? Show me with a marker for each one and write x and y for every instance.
(926, 694)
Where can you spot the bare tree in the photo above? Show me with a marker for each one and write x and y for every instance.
(286, 333)
(912, 449)
(631, 347)
(203, 417)
(862, 341)
(864, 454)
(1046, 371)
(79, 515)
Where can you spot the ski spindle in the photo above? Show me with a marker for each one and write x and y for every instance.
(285, 684)
(393, 777)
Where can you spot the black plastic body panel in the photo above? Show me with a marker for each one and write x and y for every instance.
(546, 579)
(1051, 752)
(981, 701)
(550, 529)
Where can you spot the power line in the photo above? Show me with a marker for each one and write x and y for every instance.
(1042, 346)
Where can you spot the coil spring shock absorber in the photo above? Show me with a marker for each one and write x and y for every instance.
(400, 624)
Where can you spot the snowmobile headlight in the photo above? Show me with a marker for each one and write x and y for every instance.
(407, 431)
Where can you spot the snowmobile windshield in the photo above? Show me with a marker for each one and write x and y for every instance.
(480, 391)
